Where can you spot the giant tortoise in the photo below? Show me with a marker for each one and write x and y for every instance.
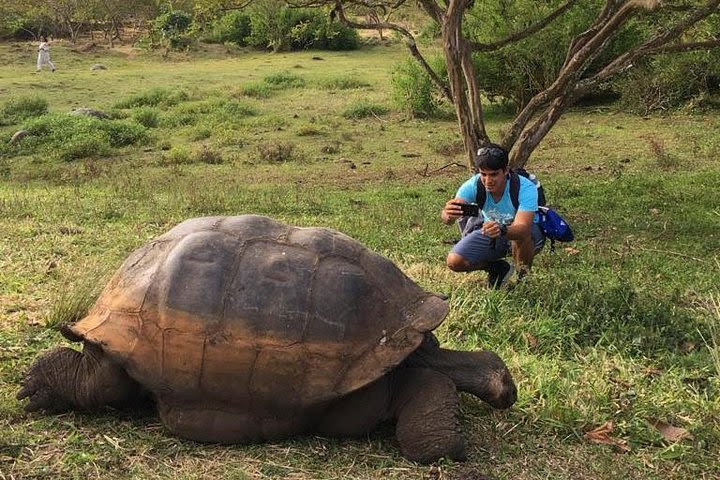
(243, 329)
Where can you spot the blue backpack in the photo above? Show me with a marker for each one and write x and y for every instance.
(551, 223)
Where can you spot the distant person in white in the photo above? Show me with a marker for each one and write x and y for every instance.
(44, 55)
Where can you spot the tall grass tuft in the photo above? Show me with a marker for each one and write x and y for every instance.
(712, 307)
(285, 80)
(72, 304)
(148, 117)
(363, 108)
(664, 159)
(256, 90)
(343, 83)
(157, 97)
(17, 109)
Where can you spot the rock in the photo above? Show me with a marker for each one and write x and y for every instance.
(19, 135)
(89, 112)
(98, 66)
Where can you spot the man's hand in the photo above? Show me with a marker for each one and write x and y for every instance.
(491, 229)
(452, 211)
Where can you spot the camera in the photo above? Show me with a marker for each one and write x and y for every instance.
(469, 209)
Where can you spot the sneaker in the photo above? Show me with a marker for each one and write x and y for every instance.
(500, 272)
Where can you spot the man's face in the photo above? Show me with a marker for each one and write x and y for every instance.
(493, 180)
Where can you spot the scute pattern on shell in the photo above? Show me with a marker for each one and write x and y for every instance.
(249, 312)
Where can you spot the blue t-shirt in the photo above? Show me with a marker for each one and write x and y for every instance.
(502, 211)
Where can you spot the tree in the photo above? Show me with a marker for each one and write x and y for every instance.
(676, 30)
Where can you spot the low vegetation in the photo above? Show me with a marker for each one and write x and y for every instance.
(613, 340)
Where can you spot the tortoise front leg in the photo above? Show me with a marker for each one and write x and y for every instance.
(65, 379)
(427, 407)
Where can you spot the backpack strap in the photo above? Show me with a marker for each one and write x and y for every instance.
(480, 195)
(515, 189)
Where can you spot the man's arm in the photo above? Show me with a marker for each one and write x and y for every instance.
(451, 211)
(520, 227)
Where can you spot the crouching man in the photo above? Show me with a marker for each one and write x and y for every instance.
(506, 219)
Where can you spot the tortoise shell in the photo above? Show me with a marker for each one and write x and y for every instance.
(248, 311)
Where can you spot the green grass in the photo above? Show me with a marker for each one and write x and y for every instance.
(622, 325)
(19, 108)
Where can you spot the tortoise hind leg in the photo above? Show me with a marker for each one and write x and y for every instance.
(427, 406)
(65, 379)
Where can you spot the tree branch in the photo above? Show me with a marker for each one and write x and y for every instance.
(437, 81)
(572, 68)
(655, 45)
(517, 36)
(433, 9)
(685, 47)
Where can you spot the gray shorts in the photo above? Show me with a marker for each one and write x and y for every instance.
(477, 248)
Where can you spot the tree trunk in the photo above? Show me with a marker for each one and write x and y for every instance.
(462, 80)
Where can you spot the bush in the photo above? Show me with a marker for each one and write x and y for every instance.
(122, 133)
(17, 109)
(313, 29)
(146, 116)
(517, 72)
(27, 25)
(232, 27)
(69, 137)
(276, 26)
(178, 155)
(84, 146)
(412, 90)
(663, 83)
(172, 29)
(154, 98)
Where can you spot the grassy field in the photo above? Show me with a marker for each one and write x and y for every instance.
(621, 326)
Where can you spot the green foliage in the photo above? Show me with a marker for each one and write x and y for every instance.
(17, 109)
(518, 71)
(70, 137)
(232, 27)
(363, 108)
(314, 29)
(276, 26)
(23, 23)
(412, 89)
(430, 31)
(284, 80)
(270, 25)
(146, 116)
(343, 83)
(172, 29)
(156, 97)
(233, 109)
(256, 90)
(178, 155)
(666, 82)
